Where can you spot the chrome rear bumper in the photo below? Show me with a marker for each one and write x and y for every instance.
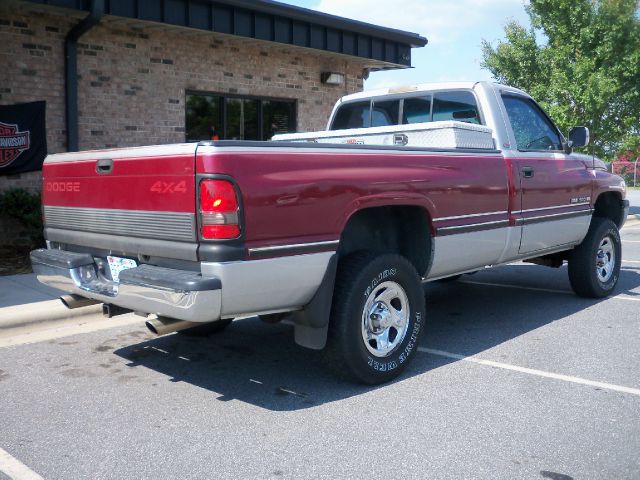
(180, 294)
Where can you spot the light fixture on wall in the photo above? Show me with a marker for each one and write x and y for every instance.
(332, 78)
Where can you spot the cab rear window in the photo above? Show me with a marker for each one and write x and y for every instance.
(416, 110)
(352, 115)
(458, 105)
(385, 113)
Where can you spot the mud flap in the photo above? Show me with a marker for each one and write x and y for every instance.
(312, 323)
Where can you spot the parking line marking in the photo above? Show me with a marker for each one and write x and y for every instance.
(532, 371)
(630, 241)
(16, 469)
(537, 289)
(631, 261)
(630, 299)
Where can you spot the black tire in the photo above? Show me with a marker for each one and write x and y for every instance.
(362, 278)
(586, 279)
(206, 329)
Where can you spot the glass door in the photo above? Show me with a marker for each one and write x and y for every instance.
(242, 119)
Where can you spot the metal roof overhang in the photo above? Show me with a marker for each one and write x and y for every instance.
(269, 21)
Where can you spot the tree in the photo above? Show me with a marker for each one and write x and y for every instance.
(581, 60)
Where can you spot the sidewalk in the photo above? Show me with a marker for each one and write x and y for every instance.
(634, 202)
(24, 288)
(24, 300)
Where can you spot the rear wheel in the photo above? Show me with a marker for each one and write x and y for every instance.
(377, 317)
(594, 265)
(206, 329)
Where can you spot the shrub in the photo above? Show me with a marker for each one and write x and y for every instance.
(24, 207)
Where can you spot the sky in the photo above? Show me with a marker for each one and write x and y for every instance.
(455, 30)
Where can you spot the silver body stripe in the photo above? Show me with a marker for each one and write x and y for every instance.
(472, 225)
(459, 217)
(439, 219)
(551, 215)
(133, 223)
(296, 246)
(555, 206)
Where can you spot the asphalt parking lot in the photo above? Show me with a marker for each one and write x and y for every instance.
(515, 378)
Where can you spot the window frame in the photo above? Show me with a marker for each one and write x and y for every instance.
(223, 109)
(539, 109)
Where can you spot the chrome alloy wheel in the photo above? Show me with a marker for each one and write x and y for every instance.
(385, 318)
(605, 259)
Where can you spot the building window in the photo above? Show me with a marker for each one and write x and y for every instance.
(224, 117)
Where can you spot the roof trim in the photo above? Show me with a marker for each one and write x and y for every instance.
(328, 20)
(268, 20)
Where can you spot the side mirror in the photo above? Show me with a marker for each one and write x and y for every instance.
(578, 137)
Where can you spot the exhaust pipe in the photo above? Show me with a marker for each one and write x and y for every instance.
(109, 310)
(72, 301)
(163, 325)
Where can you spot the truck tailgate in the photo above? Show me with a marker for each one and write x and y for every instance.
(106, 196)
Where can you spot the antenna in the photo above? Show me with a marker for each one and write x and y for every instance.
(593, 152)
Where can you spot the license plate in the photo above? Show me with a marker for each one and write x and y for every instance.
(118, 264)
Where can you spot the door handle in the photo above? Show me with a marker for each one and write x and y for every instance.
(527, 172)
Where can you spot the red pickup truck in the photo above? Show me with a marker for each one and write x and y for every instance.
(338, 237)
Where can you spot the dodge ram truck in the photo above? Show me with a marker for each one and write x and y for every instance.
(336, 235)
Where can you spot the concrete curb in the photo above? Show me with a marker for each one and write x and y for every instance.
(47, 311)
(632, 220)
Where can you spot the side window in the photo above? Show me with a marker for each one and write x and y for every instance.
(459, 105)
(385, 113)
(416, 110)
(532, 129)
(352, 115)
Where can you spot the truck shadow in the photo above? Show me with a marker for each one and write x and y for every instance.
(259, 364)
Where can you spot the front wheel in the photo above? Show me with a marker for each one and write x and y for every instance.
(377, 317)
(594, 265)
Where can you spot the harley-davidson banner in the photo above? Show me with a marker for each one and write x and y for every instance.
(23, 137)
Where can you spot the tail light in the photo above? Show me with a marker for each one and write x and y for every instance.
(219, 209)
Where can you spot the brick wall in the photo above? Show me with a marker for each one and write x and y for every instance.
(29, 181)
(133, 79)
(136, 80)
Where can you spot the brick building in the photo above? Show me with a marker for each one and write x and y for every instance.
(142, 72)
